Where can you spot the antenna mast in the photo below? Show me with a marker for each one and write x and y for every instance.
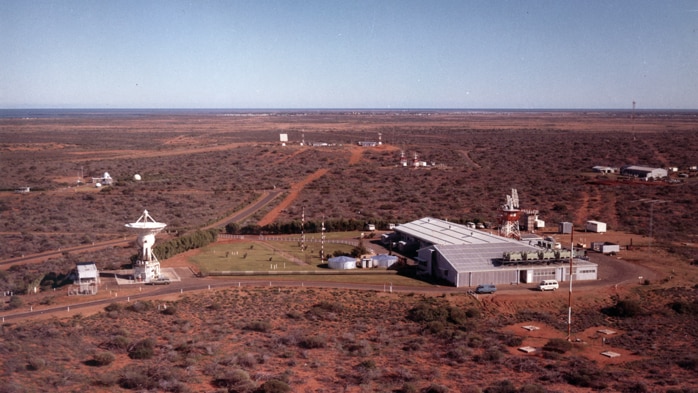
(632, 120)
(303, 229)
(322, 242)
(569, 300)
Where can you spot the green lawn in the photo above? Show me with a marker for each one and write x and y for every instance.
(280, 256)
(262, 256)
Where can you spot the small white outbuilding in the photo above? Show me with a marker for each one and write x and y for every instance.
(596, 226)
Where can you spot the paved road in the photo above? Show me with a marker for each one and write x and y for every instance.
(614, 271)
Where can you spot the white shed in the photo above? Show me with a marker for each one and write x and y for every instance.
(596, 226)
(342, 263)
(384, 260)
(605, 247)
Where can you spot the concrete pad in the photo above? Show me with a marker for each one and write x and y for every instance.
(611, 354)
(607, 331)
(530, 328)
(527, 349)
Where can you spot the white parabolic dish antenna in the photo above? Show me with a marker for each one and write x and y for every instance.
(146, 227)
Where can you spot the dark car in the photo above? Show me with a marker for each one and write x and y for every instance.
(486, 288)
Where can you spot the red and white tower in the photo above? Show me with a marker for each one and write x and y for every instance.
(403, 158)
(509, 216)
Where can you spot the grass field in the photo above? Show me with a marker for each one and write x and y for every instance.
(263, 256)
(277, 257)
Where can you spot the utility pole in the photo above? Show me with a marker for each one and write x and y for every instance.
(569, 300)
(651, 234)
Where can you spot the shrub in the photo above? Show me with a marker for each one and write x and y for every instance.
(624, 309)
(113, 307)
(274, 386)
(103, 358)
(532, 388)
(424, 312)
(258, 326)
(36, 364)
(235, 381)
(557, 345)
(505, 386)
(685, 307)
(492, 355)
(140, 307)
(170, 310)
(15, 302)
(311, 342)
(472, 313)
(143, 349)
(434, 388)
(688, 363)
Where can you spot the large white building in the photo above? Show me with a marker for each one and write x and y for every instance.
(643, 172)
(468, 257)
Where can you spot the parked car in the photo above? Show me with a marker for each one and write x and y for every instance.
(548, 285)
(486, 288)
(159, 281)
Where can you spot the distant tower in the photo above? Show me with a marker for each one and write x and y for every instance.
(403, 158)
(415, 160)
(147, 267)
(509, 216)
(632, 121)
(303, 229)
(322, 242)
(303, 139)
(380, 139)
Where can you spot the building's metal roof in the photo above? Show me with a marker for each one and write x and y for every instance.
(478, 257)
(435, 231)
(384, 258)
(482, 257)
(87, 269)
(641, 168)
(342, 259)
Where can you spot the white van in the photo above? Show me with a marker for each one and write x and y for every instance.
(548, 285)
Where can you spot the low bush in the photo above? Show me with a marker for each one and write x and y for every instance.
(312, 342)
(103, 358)
(434, 388)
(236, 380)
(258, 326)
(274, 386)
(140, 306)
(557, 345)
(624, 309)
(687, 308)
(143, 349)
(505, 386)
(36, 364)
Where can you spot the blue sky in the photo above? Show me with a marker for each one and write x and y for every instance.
(349, 54)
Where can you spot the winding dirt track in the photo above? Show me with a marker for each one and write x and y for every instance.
(293, 194)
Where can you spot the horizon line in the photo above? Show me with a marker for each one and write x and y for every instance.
(434, 109)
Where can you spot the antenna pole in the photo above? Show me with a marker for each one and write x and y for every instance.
(569, 300)
(322, 242)
(303, 229)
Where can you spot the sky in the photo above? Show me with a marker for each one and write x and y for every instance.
(470, 54)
